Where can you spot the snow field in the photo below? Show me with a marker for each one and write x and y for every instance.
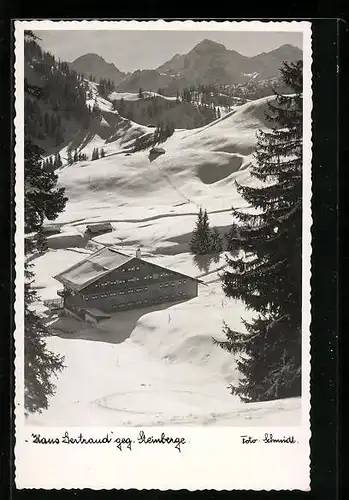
(155, 366)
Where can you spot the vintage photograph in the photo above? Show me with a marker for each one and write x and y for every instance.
(163, 227)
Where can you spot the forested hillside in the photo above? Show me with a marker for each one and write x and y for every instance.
(55, 99)
(153, 109)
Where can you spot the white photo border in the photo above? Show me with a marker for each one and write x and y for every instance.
(212, 457)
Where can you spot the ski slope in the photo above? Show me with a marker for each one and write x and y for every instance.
(155, 366)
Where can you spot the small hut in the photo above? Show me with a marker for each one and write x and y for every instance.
(155, 152)
(49, 229)
(98, 229)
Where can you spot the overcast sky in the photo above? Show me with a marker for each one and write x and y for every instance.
(131, 50)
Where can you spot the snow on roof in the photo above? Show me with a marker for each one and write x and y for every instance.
(157, 150)
(46, 228)
(149, 261)
(99, 226)
(93, 267)
(100, 264)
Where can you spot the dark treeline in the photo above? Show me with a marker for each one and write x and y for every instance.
(106, 86)
(150, 109)
(162, 132)
(43, 201)
(62, 94)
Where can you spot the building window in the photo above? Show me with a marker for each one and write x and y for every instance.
(145, 288)
(137, 268)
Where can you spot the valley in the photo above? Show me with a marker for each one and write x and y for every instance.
(156, 365)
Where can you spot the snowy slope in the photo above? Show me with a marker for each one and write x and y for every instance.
(132, 96)
(111, 132)
(198, 168)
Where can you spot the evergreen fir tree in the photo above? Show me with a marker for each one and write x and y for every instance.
(269, 282)
(216, 241)
(41, 241)
(76, 156)
(39, 363)
(42, 200)
(140, 93)
(233, 238)
(50, 164)
(70, 157)
(156, 136)
(59, 160)
(102, 153)
(200, 243)
(121, 107)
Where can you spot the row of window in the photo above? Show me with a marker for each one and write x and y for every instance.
(130, 269)
(148, 302)
(174, 283)
(131, 290)
(133, 279)
(116, 282)
(113, 294)
(131, 304)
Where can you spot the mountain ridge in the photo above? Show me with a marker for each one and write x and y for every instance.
(208, 62)
(95, 65)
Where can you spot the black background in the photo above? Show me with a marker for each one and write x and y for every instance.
(330, 154)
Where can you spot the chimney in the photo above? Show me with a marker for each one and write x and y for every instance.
(138, 253)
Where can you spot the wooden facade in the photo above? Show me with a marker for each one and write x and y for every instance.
(131, 285)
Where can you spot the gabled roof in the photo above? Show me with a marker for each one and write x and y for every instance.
(99, 264)
(94, 228)
(172, 270)
(95, 266)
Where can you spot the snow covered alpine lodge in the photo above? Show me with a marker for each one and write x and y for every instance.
(110, 281)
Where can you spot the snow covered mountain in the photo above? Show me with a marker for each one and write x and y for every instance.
(99, 68)
(209, 63)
